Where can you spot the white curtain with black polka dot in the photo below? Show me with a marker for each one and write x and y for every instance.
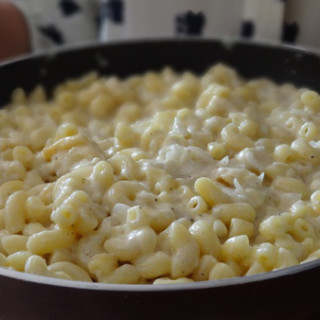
(132, 19)
(302, 23)
(290, 21)
(59, 22)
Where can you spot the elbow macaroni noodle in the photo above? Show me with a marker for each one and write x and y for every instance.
(160, 178)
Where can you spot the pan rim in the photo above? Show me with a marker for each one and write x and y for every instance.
(190, 286)
(226, 41)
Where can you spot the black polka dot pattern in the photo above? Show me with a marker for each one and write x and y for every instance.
(185, 23)
(52, 33)
(69, 7)
(290, 32)
(190, 23)
(113, 10)
(247, 29)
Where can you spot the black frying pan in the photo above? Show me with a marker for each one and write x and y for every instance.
(291, 293)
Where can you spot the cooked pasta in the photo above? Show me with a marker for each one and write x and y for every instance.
(160, 178)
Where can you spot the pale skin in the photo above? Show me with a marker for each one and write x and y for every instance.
(14, 36)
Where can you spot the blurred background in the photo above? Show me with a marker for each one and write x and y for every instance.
(31, 25)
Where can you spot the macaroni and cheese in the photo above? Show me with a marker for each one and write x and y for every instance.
(160, 178)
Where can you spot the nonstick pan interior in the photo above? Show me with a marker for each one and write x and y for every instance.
(280, 63)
